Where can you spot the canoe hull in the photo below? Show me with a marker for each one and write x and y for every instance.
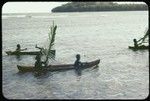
(26, 53)
(138, 48)
(58, 67)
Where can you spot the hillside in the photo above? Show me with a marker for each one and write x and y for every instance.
(98, 6)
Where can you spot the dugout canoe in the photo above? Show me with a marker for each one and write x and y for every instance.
(26, 53)
(138, 48)
(58, 67)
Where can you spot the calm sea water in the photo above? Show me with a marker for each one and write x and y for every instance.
(122, 73)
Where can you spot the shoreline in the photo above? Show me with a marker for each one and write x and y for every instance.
(37, 13)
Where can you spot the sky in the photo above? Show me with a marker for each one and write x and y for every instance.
(27, 7)
(30, 7)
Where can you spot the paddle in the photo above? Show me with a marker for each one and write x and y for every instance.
(42, 50)
(144, 37)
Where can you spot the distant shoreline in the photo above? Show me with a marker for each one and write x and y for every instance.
(98, 7)
(102, 11)
(36, 13)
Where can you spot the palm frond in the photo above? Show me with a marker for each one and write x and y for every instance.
(51, 40)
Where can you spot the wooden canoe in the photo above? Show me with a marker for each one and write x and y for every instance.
(26, 53)
(139, 47)
(59, 67)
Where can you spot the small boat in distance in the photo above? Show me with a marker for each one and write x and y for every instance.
(138, 43)
(59, 67)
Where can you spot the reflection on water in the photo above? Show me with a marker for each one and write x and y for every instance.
(18, 57)
(41, 75)
(78, 72)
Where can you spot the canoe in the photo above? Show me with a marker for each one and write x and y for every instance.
(59, 67)
(26, 53)
(139, 47)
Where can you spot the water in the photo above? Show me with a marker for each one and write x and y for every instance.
(122, 73)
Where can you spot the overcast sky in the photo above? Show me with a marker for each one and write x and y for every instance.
(27, 7)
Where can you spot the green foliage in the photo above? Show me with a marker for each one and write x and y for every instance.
(51, 40)
(98, 6)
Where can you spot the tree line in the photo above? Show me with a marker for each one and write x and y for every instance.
(99, 6)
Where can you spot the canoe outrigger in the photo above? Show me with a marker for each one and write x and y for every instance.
(59, 67)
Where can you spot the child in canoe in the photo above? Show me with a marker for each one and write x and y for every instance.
(78, 65)
(136, 45)
(18, 49)
(38, 66)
